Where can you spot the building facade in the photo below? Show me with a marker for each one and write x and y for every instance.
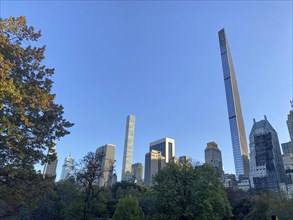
(137, 171)
(185, 160)
(287, 148)
(154, 161)
(107, 164)
(213, 157)
(128, 148)
(67, 168)
(50, 167)
(290, 124)
(166, 146)
(238, 137)
(266, 165)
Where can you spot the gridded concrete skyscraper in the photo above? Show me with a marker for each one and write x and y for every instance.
(239, 144)
(128, 148)
(107, 163)
(213, 157)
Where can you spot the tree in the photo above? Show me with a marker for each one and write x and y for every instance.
(183, 191)
(69, 200)
(24, 192)
(89, 171)
(128, 208)
(30, 121)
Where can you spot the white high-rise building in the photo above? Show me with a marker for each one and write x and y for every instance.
(67, 168)
(128, 148)
(107, 163)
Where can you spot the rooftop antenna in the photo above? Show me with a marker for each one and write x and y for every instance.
(291, 104)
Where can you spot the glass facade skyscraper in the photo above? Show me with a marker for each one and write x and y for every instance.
(128, 148)
(238, 137)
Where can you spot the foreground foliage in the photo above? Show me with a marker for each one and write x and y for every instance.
(183, 191)
(128, 208)
(30, 120)
(259, 204)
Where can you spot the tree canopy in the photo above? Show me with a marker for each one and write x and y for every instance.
(30, 120)
(183, 191)
(128, 208)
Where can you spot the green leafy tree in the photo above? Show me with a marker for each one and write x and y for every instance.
(183, 191)
(88, 172)
(69, 200)
(24, 192)
(30, 121)
(128, 208)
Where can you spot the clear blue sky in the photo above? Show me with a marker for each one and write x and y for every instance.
(161, 62)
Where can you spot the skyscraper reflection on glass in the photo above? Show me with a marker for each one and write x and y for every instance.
(238, 137)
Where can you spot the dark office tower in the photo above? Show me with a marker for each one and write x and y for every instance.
(266, 165)
(238, 137)
(213, 157)
(128, 147)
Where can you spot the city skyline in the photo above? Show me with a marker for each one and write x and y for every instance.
(160, 61)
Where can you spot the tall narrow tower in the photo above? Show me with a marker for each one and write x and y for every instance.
(239, 144)
(128, 147)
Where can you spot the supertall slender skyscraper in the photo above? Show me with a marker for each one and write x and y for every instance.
(239, 143)
(128, 147)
